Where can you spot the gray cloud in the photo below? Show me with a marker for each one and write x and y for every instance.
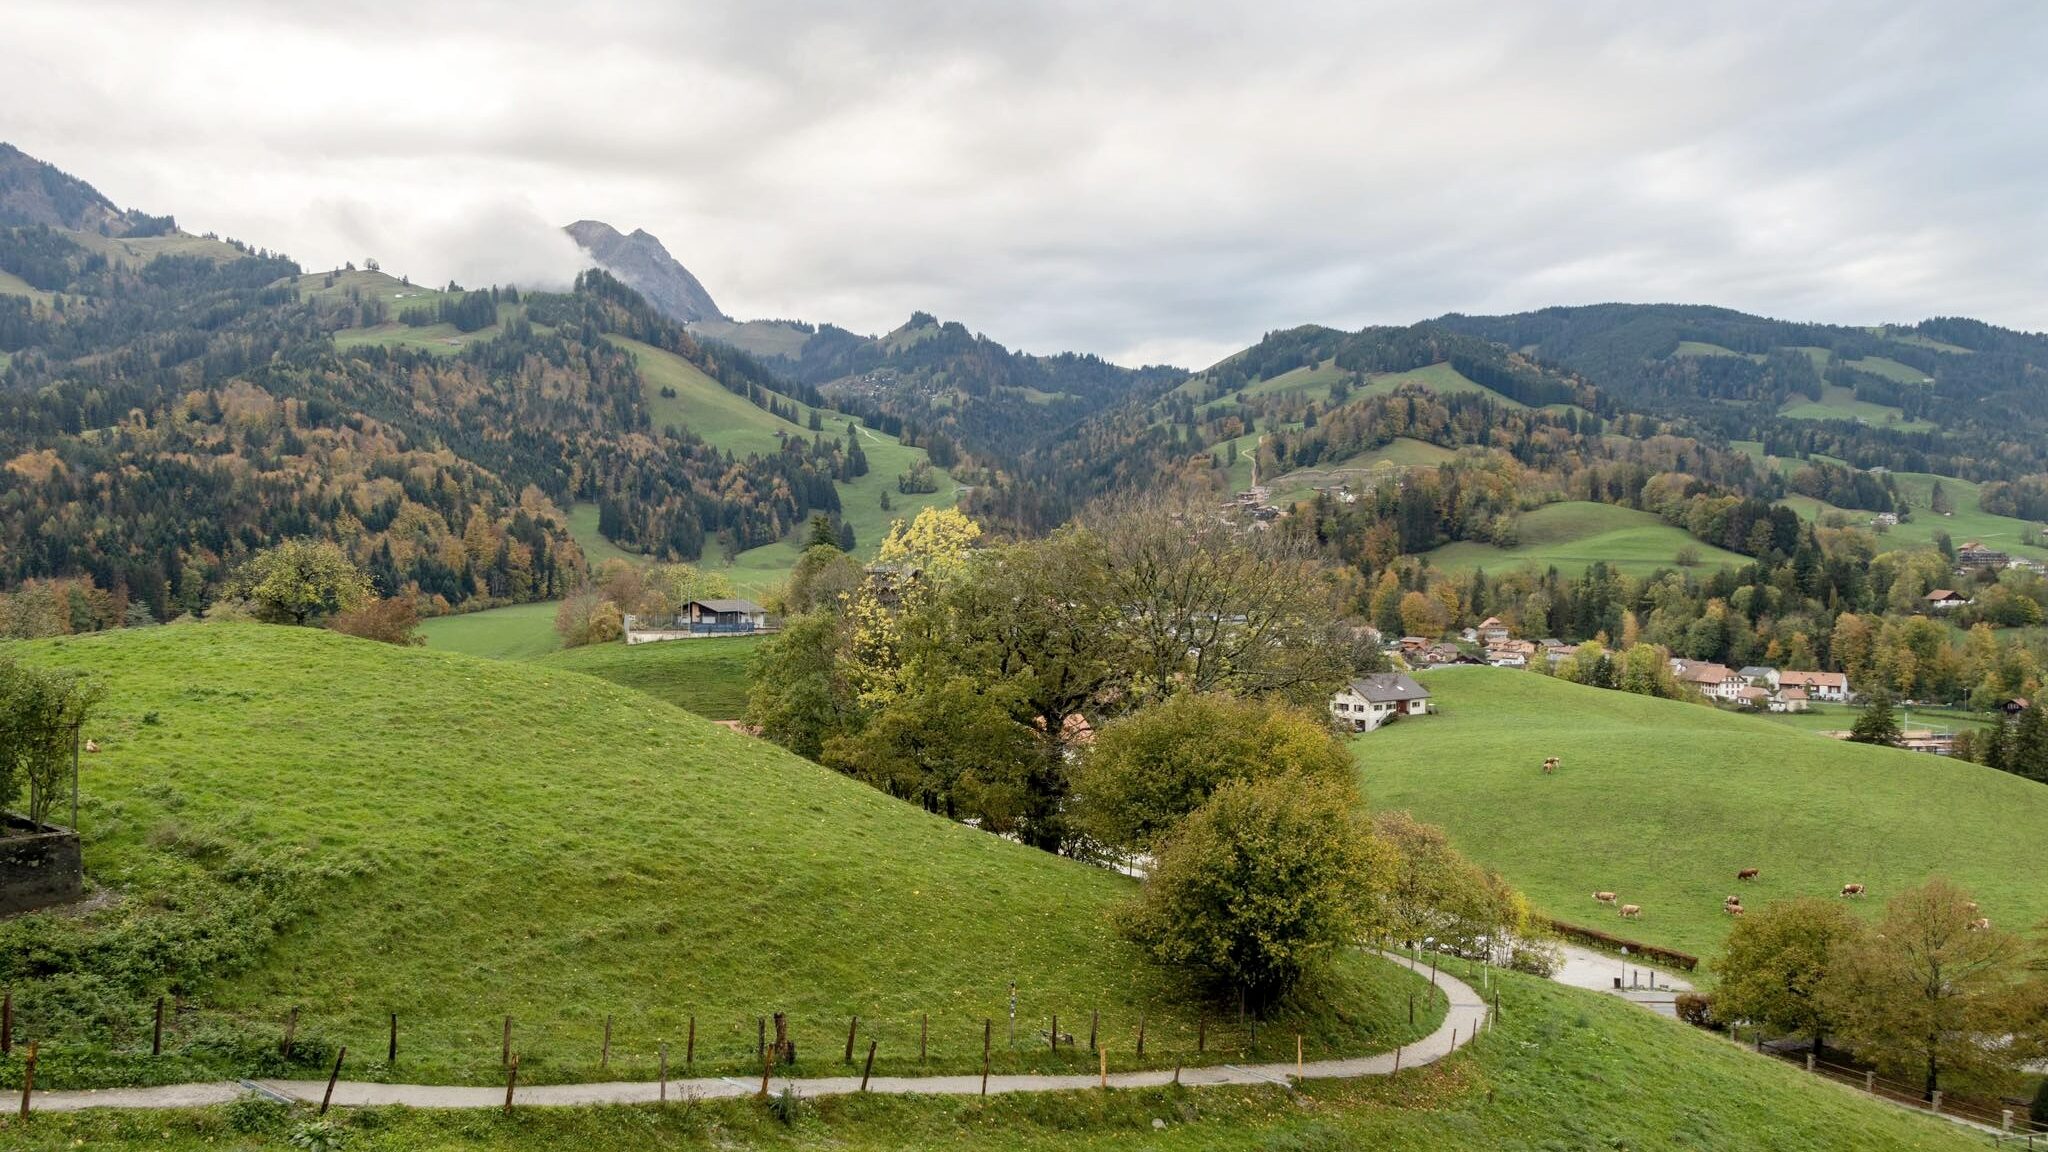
(1148, 181)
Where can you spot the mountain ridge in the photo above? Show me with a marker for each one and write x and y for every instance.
(643, 263)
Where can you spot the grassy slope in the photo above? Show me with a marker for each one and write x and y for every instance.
(558, 848)
(1663, 802)
(596, 549)
(708, 677)
(1838, 403)
(1574, 533)
(1969, 521)
(763, 338)
(1563, 1070)
(519, 632)
(730, 422)
(138, 251)
(13, 285)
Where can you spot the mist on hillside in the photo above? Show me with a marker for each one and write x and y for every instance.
(500, 241)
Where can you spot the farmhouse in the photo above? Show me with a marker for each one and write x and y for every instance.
(1975, 555)
(1510, 653)
(701, 618)
(1714, 681)
(1370, 701)
(1789, 700)
(1761, 675)
(1830, 686)
(1491, 631)
(1945, 600)
(1885, 520)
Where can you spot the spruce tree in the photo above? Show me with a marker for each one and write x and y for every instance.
(1877, 723)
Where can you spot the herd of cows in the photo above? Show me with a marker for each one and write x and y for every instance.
(1732, 905)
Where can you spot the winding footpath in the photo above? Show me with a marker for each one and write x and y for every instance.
(1466, 1014)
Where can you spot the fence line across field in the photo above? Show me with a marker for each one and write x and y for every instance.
(2013, 1122)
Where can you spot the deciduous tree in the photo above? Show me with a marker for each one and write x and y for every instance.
(1779, 961)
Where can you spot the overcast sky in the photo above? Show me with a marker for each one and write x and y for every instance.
(1152, 182)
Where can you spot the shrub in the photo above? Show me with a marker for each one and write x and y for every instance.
(1537, 958)
(1695, 1009)
(392, 621)
(2038, 1112)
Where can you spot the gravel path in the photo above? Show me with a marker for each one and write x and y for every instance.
(1466, 1014)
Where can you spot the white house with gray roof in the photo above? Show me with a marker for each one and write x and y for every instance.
(1370, 701)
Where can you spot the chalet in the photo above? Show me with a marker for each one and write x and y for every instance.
(1510, 653)
(1491, 631)
(2014, 706)
(1832, 687)
(1760, 675)
(1945, 600)
(1788, 700)
(1370, 701)
(1885, 520)
(698, 619)
(1751, 696)
(1974, 555)
(1432, 655)
(1714, 681)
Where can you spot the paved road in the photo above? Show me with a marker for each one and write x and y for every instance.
(1467, 1012)
(1651, 987)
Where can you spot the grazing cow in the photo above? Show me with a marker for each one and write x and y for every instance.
(1550, 766)
(1971, 906)
(1980, 924)
(1604, 897)
(1731, 900)
(1734, 909)
(1852, 889)
(1631, 912)
(92, 745)
(1748, 874)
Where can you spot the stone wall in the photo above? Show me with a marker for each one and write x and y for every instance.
(38, 867)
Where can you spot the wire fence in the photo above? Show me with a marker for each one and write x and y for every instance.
(2009, 1123)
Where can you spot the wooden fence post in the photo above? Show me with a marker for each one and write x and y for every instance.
(1094, 1022)
(328, 1097)
(988, 1028)
(869, 1069)
(1102, 1056)
(1870, 1082)
(1809, 1061)
(27, 1083)
(760, 1037)
(924, 1028)
(664, 1072)
(1397, 1059)
(604, 1055)
(1176, 1072)
(1297, 1056)
(511, 1079)
(156, 1033)
(690, 1046)
(1937, 1102)
(1055, 1033)
(505, 1047)
(391, 1054)
(852, 1026)
(767, 1066)
(291, 1025)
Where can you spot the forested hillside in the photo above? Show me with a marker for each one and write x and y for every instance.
(169, 405)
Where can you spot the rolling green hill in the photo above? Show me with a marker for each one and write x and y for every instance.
(1663, 802)
(1574, 533)
(516, 632)
(458, 840)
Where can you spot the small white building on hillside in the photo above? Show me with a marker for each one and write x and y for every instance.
(1832, 687)
(1370, 701)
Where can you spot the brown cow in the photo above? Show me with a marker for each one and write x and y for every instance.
(1731, 900)
(1852, 889)
(1980, 924)
(1734, 909)
(1748, 874)
(1604, 897)
(1550, 766)
(1631, 912)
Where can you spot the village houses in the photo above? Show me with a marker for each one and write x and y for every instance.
(1945, 600)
